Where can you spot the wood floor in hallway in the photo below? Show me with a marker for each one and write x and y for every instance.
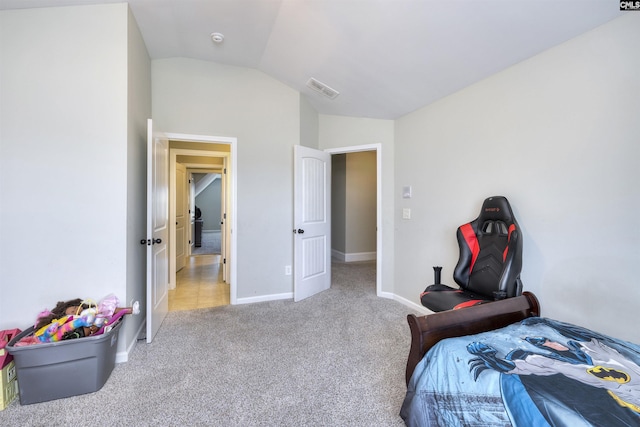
(199, 284)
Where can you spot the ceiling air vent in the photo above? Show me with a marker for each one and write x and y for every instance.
(322, 88)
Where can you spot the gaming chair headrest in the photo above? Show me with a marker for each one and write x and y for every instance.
(496, 208)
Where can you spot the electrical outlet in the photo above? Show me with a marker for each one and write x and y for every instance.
(135, 307)
(287, 270)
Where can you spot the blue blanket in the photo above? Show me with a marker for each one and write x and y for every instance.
(538, 372)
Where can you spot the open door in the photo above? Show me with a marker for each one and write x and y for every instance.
(224, 227)
(312, 222)
(157, 230)
(182, 216)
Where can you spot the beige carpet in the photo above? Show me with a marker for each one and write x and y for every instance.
(335, 359)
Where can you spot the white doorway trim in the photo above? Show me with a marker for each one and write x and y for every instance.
(378, 149)
(232, 177)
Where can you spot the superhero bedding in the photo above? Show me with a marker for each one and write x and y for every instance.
(537, 372)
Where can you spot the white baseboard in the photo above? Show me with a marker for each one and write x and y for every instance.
(264, 298)
(353, 256)
(123, 356)
(422, 310)
(419, 308)
(387, 295)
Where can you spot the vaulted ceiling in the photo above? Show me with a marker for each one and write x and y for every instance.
(386, 58)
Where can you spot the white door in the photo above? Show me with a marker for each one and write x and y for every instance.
(224, 228)
(182, 219)
(157, 230)
(312, 222)
(192, 212)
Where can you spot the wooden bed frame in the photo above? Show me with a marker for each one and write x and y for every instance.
(427, 330)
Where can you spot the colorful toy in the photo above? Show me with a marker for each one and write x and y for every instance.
(60, 328)
(107, 326)
(79, 318)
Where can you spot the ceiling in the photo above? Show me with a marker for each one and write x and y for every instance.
(386, 58)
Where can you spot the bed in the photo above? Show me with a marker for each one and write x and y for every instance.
(501, 364)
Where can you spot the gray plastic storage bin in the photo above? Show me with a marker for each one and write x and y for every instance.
(54, 370)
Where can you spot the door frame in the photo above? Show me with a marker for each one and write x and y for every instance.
(231, 162)
(378, 149)
(195, 168)
(173, 162)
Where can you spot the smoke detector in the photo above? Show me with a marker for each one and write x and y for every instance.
(217, 37)
(322, 88)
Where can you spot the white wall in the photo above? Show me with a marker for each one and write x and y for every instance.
(337, 132)
(69, 159)
(139, 110)
(204, 98)
(308, 123)
(559, 136)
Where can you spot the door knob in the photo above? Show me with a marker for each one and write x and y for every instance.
(143, 241)
(299, 231)
(157, 241)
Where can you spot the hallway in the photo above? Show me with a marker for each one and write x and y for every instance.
(199, 285)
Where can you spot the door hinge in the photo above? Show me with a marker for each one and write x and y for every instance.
(224, 260)
(225, 171)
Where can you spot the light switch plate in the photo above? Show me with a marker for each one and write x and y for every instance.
(406, 213)
(406, 192)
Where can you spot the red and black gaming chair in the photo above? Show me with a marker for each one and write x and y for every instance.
(490, 261)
